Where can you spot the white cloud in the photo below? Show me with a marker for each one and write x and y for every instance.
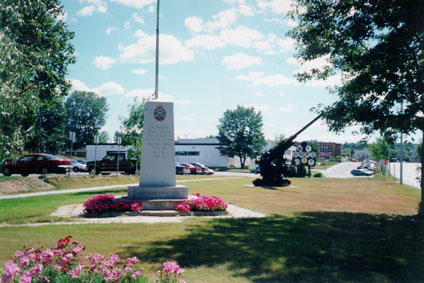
(240, 61)
(109, 88)
(319, 63)
(87, 11)
(259, 108)
(62, 17)
(286, 44)
(139, 71)
(245, 10)
(221, 20)
(94, 5)
(260, 94)
(127, 25)
(110, 29)
(194, 24)
(250, 77)
(208, 42)
(78, 85)
(241, 36)
(171, 51)
(148, 93)
(137, 18)
(287, 108)
(103, 62)
(277, 6)
(135, 3)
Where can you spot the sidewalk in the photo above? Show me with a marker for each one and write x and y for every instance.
(98, 188)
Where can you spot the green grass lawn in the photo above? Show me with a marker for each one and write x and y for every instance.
(318, 230)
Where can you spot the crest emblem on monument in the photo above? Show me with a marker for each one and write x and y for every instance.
(159, 113)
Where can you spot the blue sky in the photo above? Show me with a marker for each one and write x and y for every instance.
(214, 55)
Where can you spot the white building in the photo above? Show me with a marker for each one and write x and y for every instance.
(204, 151)
(103, 149)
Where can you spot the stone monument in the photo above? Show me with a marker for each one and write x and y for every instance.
(157, 188)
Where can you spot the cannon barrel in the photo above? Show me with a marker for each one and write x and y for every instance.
(286, 143)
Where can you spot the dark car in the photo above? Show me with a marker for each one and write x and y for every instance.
(256, 170)
(181, 169)
(36, 164)
(361, 172)
(109, 164)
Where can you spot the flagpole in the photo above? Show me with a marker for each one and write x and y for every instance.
(157, 53)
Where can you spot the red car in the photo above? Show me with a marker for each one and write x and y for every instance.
(193, 169)
(36, 163)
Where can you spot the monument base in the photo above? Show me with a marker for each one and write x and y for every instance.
(157, 198)
(155, 193)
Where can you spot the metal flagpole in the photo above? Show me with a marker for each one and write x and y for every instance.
(157, 53)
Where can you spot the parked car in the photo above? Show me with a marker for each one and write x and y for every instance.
(78, 166)
(256, 170)
(181, 169)
(205, 169)
(36, 164)
(109, 164)
(361, 172)
(193, 169)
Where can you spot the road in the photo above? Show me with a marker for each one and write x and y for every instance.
(342, 170)
(410, 173)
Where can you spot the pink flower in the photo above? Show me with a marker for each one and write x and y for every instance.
(26, 277)
(10, 271)
(37, 269)
(131, 261)
(18, 254)
(24, 261)
(136, 274)
(68, 257)
(47, 255)
(127, 269)
(76, 272)
(114, 259)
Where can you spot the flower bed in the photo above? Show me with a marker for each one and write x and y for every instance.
(107, 203)
(64, 263)
(202, 203)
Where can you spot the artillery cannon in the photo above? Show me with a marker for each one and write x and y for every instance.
(272, 163)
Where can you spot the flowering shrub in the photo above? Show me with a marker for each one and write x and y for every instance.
(202, 203)
(107, 203)
(64, 263)
(169, 272)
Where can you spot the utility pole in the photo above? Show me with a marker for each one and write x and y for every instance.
(72, 139)
(96, 141)
(157, 53)
(401, 149)
(119, 155)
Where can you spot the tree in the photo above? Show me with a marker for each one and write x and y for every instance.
(49, 135)
(104, 137)
(86, 115)
(132, 127)
(377, 47)
(379, 150)
(35, 52)
(240, 133)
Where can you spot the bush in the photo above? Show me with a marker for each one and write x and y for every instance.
(64, 263)
(107, 203)
(318, 175)
(202, 203)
